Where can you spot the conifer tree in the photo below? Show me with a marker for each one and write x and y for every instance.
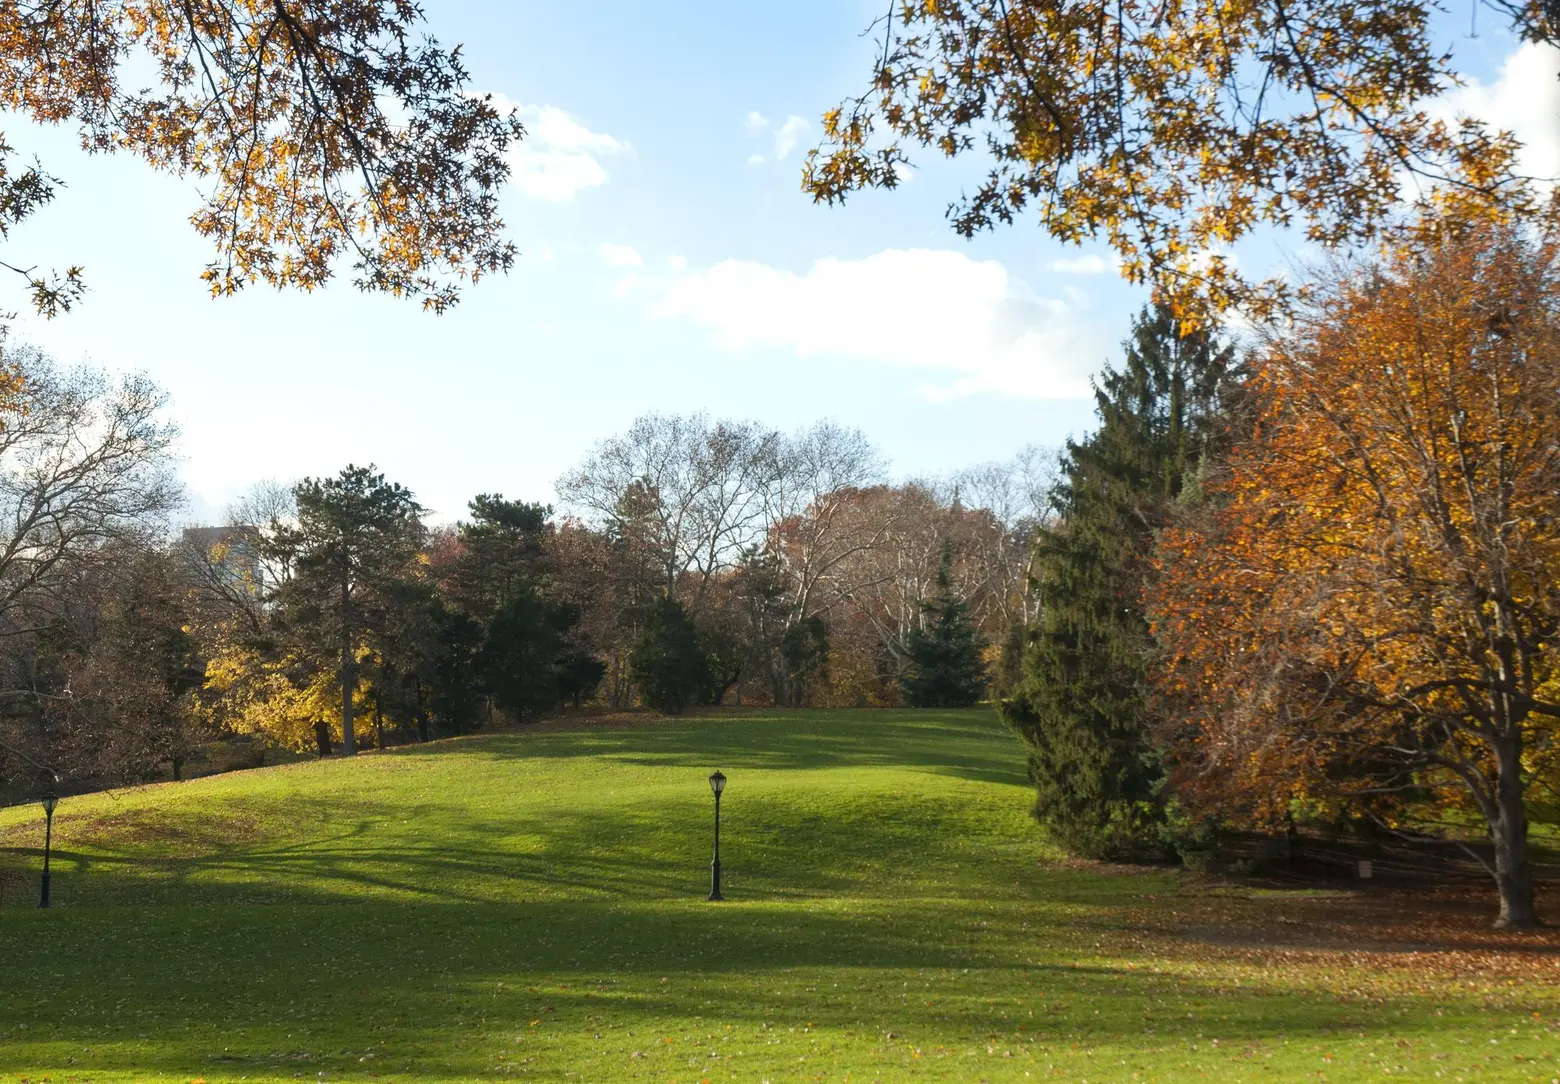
(1081, 701)
(946, 668)
(669, 661)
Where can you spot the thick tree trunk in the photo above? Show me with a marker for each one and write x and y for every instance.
(379, 723)
(1513, 871)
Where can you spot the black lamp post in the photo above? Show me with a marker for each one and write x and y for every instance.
(717, 784)
(49, 802)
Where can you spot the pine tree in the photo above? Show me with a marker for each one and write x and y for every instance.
(669, 661)
(946, 668)
(1081, 702)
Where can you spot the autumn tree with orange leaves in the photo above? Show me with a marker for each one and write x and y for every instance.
(1370, 611)
(1169, 131)
(320, 130)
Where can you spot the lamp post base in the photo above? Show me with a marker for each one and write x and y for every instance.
(715, 881)
(43, 898)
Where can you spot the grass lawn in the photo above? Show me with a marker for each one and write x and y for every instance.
(532, 906)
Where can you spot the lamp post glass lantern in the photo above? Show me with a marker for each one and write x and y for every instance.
(717, 784)
(49, 802)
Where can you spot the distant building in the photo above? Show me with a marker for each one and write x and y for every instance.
(224, 558)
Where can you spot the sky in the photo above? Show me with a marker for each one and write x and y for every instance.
(669, 262)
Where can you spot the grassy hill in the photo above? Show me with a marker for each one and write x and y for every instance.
(531, 906)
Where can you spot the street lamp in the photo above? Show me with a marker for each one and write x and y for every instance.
(717, 784)
(49, 802)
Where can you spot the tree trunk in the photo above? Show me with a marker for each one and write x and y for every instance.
(379, 723)
(348, 674)
(322, 737)
(178, 769)
(1508, 831)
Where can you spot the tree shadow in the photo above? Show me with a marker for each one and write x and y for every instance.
(267, 990)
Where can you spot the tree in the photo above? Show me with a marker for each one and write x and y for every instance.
(1368, 613)
(501, 553)
(689, 492)
(322, 128)
(1174, 131)
(355, 537)
(83, 462)
(144, 661)
(99, 692)
(669, 663)
(425, 663)
(501, 576)
(1081, 704)
(86, 482)
(946, 669)
(523, 653)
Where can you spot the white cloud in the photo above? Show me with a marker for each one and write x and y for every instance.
(1083, 265)
(789, 135)
(624, 286)
(619, 255)
(966, 322)
(791, 132)
(677, 263)
(1524, 99)
(559, 157)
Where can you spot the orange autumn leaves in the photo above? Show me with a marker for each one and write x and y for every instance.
(1366, 607)
(1168, 131)
(320, 130)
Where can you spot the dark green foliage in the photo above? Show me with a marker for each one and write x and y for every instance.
(804, 657)
(501, 553)
(669, 663)
(449, 698)
(526, 663)
(1009, 671)
(946, 669)
(427, 670)
(579, 676)
(1081, 702)
(520, 659)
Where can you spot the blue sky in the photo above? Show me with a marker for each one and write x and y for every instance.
(669, 262)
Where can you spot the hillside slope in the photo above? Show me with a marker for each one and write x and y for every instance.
(532, 905)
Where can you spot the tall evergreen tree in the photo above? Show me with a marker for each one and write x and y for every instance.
(1082, 697)
(669, 661)
(357, 536)
(946, 668)
(502, 580)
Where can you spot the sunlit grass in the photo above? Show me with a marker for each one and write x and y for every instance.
(531, 905)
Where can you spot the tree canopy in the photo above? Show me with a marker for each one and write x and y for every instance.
(1170, 131)
(1368, 611)
(1082, 700)
(321, 129)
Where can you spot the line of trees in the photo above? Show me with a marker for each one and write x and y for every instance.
(696, 562)
(1322, 582)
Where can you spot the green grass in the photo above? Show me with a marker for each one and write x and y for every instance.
(531, 906)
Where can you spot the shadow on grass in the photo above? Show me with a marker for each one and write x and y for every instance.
(858, 844)
(256, 990)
